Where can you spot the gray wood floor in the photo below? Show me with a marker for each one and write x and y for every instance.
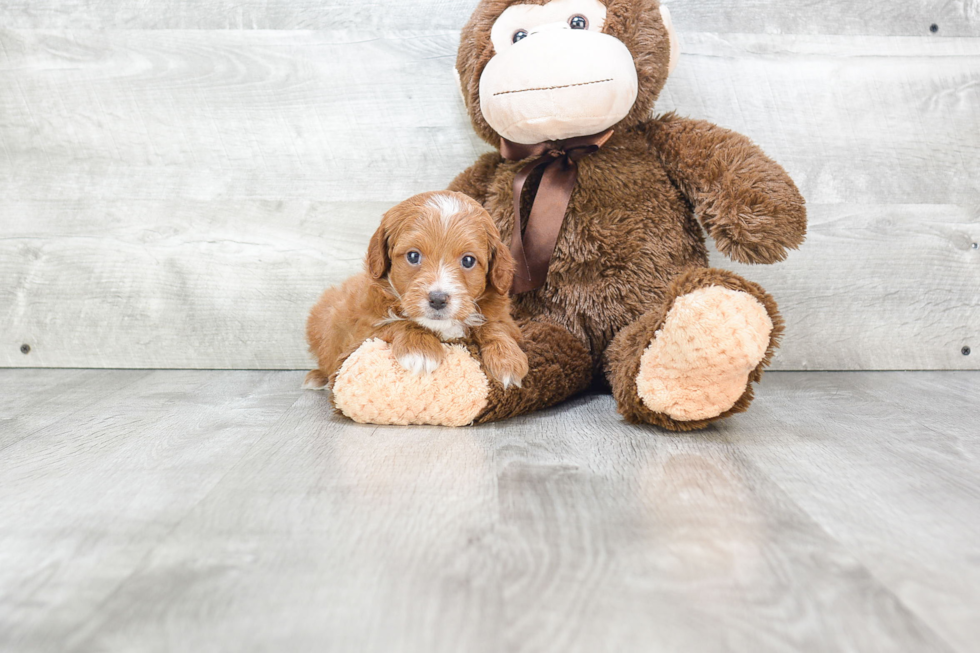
(204, 511)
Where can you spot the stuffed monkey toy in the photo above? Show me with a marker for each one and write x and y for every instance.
(605, 209)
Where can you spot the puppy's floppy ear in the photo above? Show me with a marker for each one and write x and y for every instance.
(378, 260)
(500, 268)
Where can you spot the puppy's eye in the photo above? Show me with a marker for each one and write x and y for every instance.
(468, 261)
(413, 257)
(578, 22)
(518, 35)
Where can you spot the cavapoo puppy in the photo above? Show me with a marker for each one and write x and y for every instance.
(436, 271)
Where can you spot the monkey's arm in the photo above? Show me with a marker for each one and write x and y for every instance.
(744, 199)
(475, 180)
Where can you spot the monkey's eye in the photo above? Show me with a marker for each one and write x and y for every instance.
(519, 34)
(468, 261)
(578, 22)
(413, 257)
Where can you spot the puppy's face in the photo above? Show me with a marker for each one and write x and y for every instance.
(440, 254)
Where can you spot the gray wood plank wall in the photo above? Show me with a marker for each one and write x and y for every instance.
(179, 180)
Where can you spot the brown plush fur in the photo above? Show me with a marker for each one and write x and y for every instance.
(631, 242)
(390, 300)
(560, 366)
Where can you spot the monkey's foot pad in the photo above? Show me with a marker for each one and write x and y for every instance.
(698, 363)
(372, 388)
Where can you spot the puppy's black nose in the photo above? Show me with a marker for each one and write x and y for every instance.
(438, 300)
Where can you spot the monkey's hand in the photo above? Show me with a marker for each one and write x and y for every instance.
(744, 199)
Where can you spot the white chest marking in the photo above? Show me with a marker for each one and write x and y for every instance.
(445, 329)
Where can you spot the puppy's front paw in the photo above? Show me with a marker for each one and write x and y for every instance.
(419, 363)
(506, 363)
(418, 355)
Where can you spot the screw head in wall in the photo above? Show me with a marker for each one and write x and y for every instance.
(966, 351)
(25, 349)
(934, 28)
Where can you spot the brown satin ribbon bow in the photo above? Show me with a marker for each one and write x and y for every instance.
(533, 249)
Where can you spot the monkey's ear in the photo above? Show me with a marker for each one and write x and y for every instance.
(675, 45)
(500, 267)
(459, 85)
(378, 260)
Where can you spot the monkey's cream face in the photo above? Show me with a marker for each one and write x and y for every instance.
(554, 74)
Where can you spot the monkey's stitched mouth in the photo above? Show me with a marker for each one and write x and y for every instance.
(551, 88)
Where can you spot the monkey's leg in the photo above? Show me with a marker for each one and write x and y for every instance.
(694, 359)
(373, 388)
(560, 366)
